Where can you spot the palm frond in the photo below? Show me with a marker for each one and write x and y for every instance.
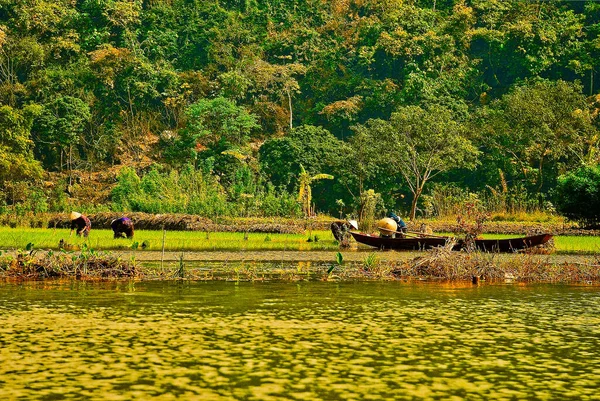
(238, 155)
(321, 177)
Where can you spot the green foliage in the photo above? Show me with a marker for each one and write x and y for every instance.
(539, 129)
(371, 205)
(304, 189)
(339, 262)
(339, 258)
(187, 191)
(58, 128)
(578, 195)
(20, 173)
(312, 147)
(370, 262)
(16, 156)
(128, 187)
(194, 192)
(211, 123)
(96, 84)
(418, 144)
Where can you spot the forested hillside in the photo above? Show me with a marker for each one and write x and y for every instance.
(221, 107)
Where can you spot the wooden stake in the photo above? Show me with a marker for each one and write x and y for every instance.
(162, 257)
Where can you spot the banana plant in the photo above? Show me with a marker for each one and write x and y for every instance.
(304, 191)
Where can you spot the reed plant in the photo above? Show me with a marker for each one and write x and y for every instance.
(504, 203)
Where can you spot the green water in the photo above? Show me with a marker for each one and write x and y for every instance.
(307, 341)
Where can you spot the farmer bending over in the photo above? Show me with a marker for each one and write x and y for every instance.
(122, 226)
(401, 224)
(81, 223)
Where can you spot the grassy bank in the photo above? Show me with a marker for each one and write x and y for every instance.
(17, 238)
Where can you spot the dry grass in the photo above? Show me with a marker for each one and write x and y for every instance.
(86, 265)
(444, 264)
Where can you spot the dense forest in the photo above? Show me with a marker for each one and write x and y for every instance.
(290, 107)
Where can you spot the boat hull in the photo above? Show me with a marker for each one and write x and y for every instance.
(486, 245)
(406, 244)
(510, 244)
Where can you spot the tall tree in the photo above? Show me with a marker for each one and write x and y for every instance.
(419, 144)
(58, 129)
(17, 163)
(211, 124)
(538, 131)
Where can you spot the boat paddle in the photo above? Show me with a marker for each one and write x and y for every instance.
(414, 233)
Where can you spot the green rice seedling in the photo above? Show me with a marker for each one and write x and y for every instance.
(370, 262)
(174, 240)
(339, 261)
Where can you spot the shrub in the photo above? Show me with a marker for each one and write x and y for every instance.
(578, 195)
(128, 186)
(192, 191)
(370, 205)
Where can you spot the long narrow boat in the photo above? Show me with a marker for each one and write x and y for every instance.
(417, 243)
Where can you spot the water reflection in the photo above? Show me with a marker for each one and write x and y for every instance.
(268, 341)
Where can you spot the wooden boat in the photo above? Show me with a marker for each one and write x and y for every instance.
(509, 244)
(427, 242)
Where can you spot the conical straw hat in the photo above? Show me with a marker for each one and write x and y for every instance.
(387, 226)
(75, 215)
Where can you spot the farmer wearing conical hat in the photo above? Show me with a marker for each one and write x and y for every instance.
(121, 226)
(81, 223)
(401, 225)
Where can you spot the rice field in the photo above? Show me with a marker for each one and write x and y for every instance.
(40, 238)
(18, 238)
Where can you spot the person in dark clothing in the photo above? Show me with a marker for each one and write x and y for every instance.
(341, 231)
(122, 226)
(81, 223)
(401, 224)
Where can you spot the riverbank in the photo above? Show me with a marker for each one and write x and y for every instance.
(440, 264)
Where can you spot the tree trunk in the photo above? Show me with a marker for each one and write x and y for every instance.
(290, 107)
(70, 166)
(413, 207)
(541, 176)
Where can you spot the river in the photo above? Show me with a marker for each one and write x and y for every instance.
(298, 340)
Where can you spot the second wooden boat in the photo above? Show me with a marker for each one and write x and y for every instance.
(422, 243)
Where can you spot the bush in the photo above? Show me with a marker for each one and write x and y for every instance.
(578, 195)
(191, 191)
